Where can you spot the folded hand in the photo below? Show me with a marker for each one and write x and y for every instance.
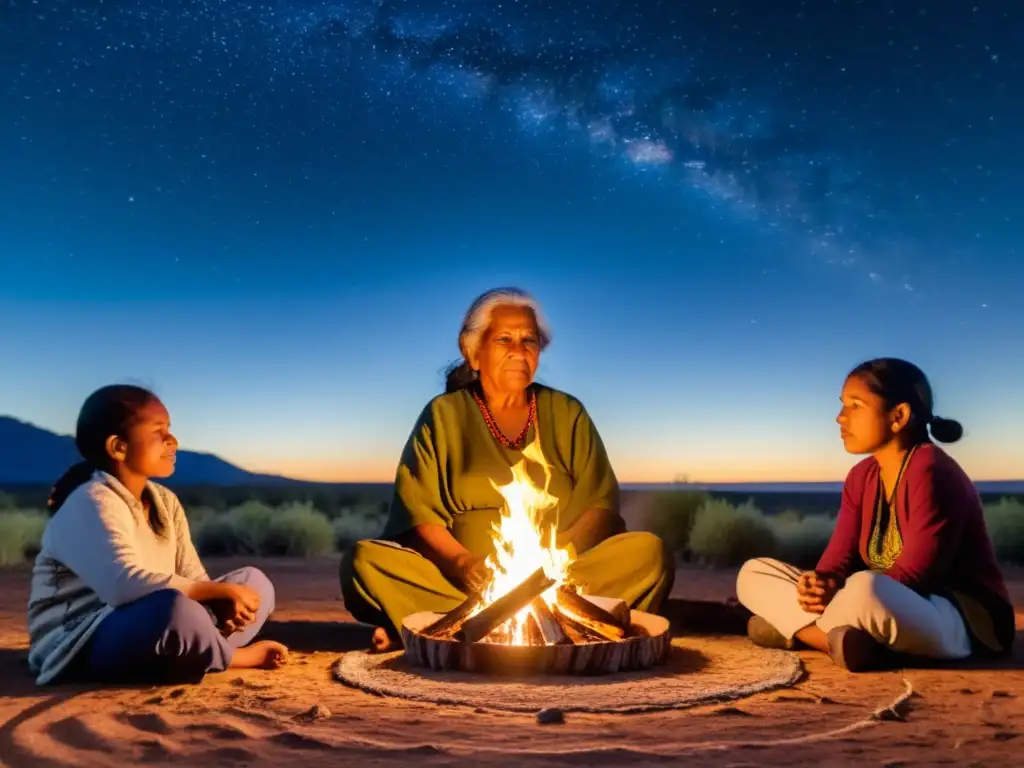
(242, 602)
(815, 591)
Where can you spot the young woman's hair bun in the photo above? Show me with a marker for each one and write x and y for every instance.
(945, 430)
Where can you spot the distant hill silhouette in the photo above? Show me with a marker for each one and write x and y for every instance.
(30, 455)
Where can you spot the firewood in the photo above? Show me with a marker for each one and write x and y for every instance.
(504, 608)
(616, 607)
(591, 607)
(641, 650)
(532, 631)
(576, 632)
(592, 616)
(551, 632)
(452, 621)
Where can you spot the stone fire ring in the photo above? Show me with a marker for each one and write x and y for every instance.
(645, 646)
(691, 671)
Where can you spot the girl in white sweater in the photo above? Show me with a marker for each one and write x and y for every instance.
(118, 591)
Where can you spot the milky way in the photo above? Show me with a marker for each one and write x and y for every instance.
(638, 98)
(641, 90)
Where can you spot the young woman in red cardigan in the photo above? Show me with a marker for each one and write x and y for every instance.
(910, 567)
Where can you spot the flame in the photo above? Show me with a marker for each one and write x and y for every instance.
(522, 544)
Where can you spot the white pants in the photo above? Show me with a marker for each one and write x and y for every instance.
(893, 614)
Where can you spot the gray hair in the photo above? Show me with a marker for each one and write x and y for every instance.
(478, 320)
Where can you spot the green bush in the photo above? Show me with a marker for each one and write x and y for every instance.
(801, 539)
(20, 534)
(724, 535)
(242, 530)
(294, 529)
(366, 509)
(788, 517)
(727, 532)
(198, 516)
(1005, 521)
(251, 522)
(8, 503)
(299, 530)
(672, 514)
(215, 537)
(350, 528)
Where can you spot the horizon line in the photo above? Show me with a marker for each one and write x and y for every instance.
(622, 481)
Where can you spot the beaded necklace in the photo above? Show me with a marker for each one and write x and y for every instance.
(493, 427)
(885, 544)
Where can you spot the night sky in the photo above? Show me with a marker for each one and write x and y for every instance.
(275, 213)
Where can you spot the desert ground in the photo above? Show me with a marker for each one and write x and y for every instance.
(964, 716)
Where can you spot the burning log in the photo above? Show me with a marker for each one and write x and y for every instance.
(452, 621)
(615, 606)
(533, 633)
(590, 615)
(504, 608)
(576, 632)
(551, 631)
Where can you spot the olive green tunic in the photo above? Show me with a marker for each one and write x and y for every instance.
(444, 478)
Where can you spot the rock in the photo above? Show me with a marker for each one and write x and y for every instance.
(889, 715)
(241, 682)
(1002, 695)
(314, 713)
(733, 711)
(551, 716)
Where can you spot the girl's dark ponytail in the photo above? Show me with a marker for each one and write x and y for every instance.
(76, 475)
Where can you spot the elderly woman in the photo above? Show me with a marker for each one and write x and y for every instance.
(438, 532)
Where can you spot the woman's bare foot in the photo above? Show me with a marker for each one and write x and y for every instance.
(380, 642)
(263, 654)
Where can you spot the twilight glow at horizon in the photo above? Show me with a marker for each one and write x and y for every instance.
(276, 213)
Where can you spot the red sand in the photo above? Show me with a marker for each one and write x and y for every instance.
(960, 716)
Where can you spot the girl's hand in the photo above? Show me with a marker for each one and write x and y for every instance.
(815, 591)
(241, 604)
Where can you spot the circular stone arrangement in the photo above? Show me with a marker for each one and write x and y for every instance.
(698, 671)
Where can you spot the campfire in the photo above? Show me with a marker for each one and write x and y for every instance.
(530, 611)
